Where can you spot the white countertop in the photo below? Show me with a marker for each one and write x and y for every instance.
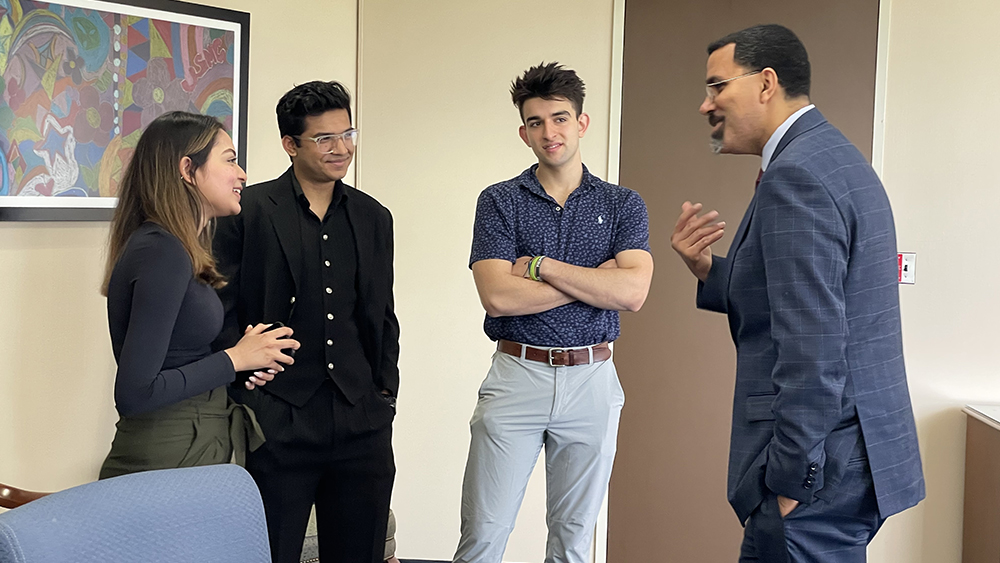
(988, 414)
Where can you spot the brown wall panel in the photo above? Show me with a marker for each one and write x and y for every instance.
(677, 364)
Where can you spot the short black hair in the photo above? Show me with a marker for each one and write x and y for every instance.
(310, 99)
(774, 46)
(548, 81)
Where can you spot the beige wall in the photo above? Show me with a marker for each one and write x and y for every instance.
(940, 150)
(438, 127)
(56, 408)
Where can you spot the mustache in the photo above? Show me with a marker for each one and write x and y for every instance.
(714, 120)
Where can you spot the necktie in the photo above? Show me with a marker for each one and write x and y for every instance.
(757, 183)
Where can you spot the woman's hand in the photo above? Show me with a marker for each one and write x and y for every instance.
(259, 379)
(262, 351)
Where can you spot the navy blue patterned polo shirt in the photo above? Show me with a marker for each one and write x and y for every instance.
(517, 218)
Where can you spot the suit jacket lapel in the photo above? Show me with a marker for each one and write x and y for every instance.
(809, 120)
(285, 219)
(363, 241)
(741, 235)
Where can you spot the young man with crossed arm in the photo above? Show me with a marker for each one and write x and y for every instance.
(556, 253)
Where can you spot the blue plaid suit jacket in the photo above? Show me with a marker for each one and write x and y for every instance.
(810, 289)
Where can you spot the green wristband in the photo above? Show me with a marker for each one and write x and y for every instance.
(533, 267)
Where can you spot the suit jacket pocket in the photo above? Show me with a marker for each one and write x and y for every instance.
(759, 408)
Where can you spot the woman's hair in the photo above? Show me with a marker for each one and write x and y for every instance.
(152, 189)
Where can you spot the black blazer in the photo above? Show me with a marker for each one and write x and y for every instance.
(260, 253)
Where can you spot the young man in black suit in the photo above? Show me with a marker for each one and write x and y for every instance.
(316, 254)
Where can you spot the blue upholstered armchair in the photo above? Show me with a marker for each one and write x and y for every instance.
(207, 514)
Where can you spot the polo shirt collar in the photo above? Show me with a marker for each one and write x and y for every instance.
(529, 180)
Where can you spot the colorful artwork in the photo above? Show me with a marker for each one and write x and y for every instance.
(82, 79)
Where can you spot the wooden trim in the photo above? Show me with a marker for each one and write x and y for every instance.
(982, 417)
(359, 88)
(12, 497)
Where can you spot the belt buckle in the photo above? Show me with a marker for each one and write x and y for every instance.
(557, 351)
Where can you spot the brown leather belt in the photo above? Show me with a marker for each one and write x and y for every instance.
(556, 356)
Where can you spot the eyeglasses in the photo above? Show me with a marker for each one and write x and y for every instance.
(328, 143)
(712, 90)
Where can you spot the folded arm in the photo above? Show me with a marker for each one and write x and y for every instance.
(506, 294)
(622, 287)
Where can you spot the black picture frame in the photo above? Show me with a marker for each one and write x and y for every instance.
(43, 208)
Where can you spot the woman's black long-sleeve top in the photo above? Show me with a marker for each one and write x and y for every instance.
(162, 322)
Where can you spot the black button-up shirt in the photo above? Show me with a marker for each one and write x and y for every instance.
(323, 312)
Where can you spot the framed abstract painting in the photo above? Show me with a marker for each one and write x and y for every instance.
(81, 79)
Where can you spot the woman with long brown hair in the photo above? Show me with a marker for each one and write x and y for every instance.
(163, 311)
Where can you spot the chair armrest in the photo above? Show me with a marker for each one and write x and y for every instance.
(11, 497)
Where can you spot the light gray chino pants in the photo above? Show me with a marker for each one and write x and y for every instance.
(523, 405)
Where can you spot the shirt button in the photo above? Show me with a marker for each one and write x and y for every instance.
(328, 290)
(326, 263)
(329, 366)
(293, 299)
(325, 237)
(329, 342)
(558, 208)
(329, 316)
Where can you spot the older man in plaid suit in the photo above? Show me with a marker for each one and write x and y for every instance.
(824, 445)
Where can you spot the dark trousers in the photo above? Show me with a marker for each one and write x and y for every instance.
(833, 530)
(332, 454)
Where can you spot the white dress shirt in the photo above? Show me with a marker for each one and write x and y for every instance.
(772, 143)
